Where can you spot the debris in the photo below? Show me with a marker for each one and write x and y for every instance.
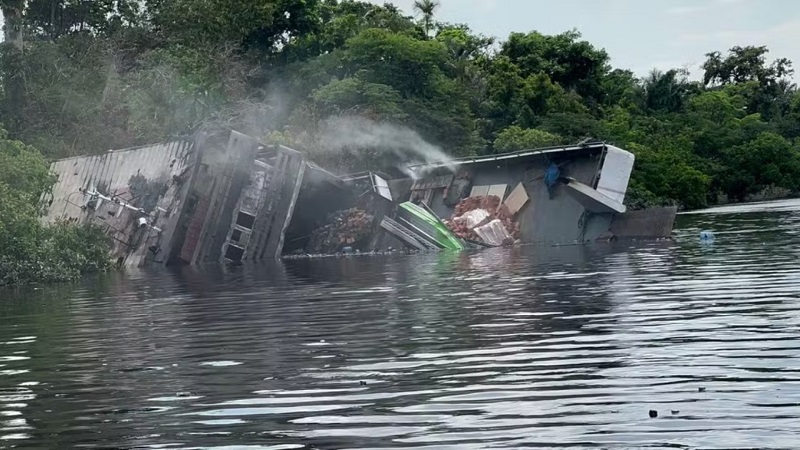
(494, 233)
(345, 229)
(675, 412)
(474, 218)
(428, 227)
(653, 413)
(517, 199)
(463, 221)
(701, 389)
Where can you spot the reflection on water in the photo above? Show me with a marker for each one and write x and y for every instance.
(528, 347)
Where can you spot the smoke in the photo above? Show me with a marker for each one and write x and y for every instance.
(343, 134)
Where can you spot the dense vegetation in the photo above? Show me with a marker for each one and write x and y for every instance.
(82, 76)
(29, 251)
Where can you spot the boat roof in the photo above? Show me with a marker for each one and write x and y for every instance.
(511, 155)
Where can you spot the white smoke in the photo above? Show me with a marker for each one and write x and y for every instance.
(343, 133)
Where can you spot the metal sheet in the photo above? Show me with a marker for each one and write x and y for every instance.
(648, 223)
(592, 200)
(479, 191)
(615, 174)
(382, 187)
(439, 182)
(517, 199)
(498, 190)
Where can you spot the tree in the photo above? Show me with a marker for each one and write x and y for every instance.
(768, 84)
(249, 23)
(743, 64)
(12, 51)
(666, 91)
(767, 160)
(463, 50)
(411, 66)
(571, 63)
(339, 21)
(621, 87)
(426, 8)
(353, 96)
(13, 11)
(55, 18)
(515, 138)
(29, 251)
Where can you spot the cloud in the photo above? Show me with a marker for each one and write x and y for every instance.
(788, 31)
(780, 40)
(686, 10)
(703, 7)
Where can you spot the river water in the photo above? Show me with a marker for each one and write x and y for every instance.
(567, 347)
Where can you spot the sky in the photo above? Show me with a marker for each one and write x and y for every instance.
(641, 35)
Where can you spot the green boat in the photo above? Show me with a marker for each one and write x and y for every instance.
(427, 222)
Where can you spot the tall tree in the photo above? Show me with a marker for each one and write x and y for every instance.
(426, 8)
(766, 86)
(666, 91)
(55, 18)
(743, 64)
(12, 60)
(12, 17)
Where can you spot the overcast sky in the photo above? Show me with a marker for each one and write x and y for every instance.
(641, 34)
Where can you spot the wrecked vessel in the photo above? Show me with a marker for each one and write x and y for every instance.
(226, 196)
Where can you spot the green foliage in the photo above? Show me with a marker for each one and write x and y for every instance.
(515, 138)
(426, 8)
(768, 160)
(767, 89)
(353, 96)
(56, 18)
(571, 63)
(666, 91)
(208, 23)
(666, 174)
(30, 252)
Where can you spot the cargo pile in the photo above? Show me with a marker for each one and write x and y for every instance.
(347, 228)
(477, 212)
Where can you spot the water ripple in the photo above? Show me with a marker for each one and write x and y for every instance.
(567, 347)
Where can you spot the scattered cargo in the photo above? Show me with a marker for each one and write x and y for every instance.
(349, 228)
(489, 210)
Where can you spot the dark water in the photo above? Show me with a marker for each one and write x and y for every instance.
(566, 347)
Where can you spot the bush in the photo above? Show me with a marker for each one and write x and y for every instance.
(30, 251)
